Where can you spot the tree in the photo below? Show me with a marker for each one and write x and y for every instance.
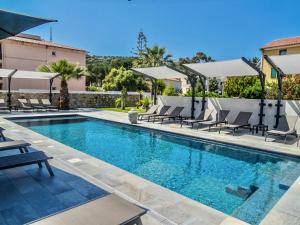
(141, 44)
(199, 57)
(67, 71)
(100, 66)
(255, 61)
(151, 57)
(96, 74)
(120, 79)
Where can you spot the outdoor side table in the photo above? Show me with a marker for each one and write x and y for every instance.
(261, 127)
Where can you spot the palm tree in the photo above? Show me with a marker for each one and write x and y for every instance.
(67, 71)
(155, 56)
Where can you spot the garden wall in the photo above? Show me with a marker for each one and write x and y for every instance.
(82, 99)
(236, 105)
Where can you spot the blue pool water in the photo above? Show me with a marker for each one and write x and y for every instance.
(198, 169)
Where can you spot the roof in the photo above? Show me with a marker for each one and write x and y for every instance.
(42, 42)
(223, 69)
(5, 73)
(160, 72)
(283, 42)
(289, 64)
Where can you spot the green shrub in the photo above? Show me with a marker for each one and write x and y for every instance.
(246, 86)
(170, 91)
(118, 102)
(271, 90)
(93, 88)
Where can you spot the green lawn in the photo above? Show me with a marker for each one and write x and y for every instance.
(125, 110)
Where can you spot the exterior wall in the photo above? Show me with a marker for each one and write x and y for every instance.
(26, 56)
(266, 68)
(175, 83)
(235, 106)
(77, 99)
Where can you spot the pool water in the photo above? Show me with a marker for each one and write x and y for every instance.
(199, 169)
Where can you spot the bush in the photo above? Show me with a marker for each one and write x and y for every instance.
(253, 92)
(118, 102)
(144, 103)
(93, 88)
(271, 90)
(213, 85)
(170, 91)
(247, 87)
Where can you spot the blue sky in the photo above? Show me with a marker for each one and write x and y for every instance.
(224, 29)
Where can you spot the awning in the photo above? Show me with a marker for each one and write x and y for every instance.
(160, 72)
(222, 69)
(289, 64)
(5, 73)
(12, 23)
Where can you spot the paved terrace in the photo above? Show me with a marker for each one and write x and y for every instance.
(29, 193)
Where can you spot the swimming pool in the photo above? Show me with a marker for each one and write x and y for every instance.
(215, 174)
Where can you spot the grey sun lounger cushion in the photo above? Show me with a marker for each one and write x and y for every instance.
(46, 103)
(242, 120)
(151, 111)
(107, 210)
(35, 103)
(24, 104)
(221, 118)
(175, 113)
(162, 111)
(13, 161)
(286, 126)
(9, 145)
(203, 116)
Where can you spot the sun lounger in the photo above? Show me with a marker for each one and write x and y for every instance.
(36, 104)
(221, 118)
(9, 145)
(285, 127)
(107, 210)
(174, 114)
(203, 116)
(30, 158)
(151, 111)
(24, 104)
(47, 104)
(3, 105)
(1, 134)
(241, 121)
(162, 111)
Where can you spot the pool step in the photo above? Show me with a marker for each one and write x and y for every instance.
(289, 179)
(242, 192)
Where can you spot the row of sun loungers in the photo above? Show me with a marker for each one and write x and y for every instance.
(32, 104)
(286, 126)
(109, 209)
(45, 104)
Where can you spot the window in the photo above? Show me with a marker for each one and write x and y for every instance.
(282, 52)
(273, 73)
(53, 53)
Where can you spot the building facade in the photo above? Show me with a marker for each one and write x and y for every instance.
(28, 52)
(284, 46)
